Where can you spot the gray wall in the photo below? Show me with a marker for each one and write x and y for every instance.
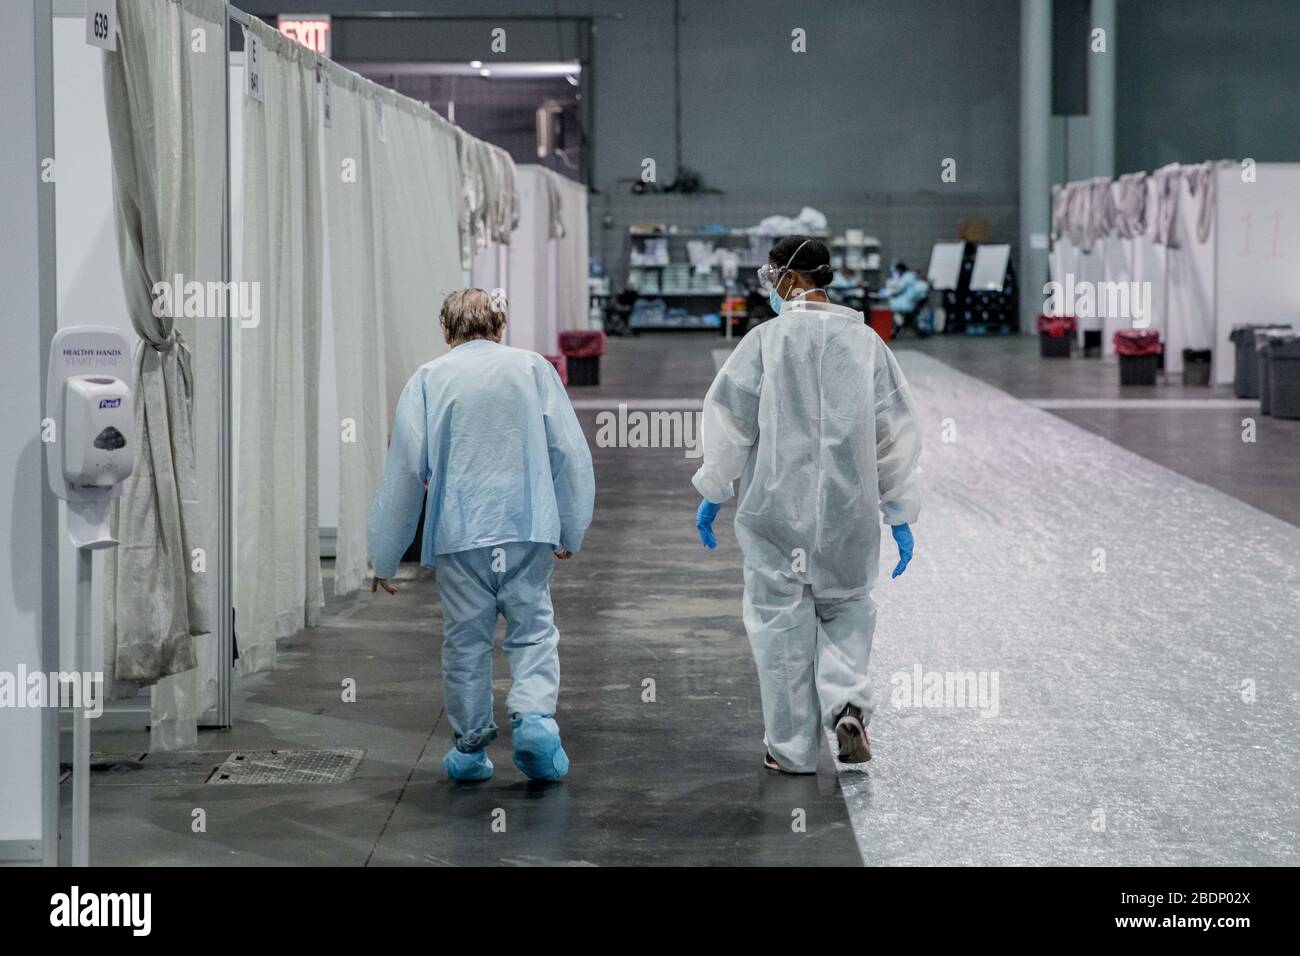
(886, 90)
(1203, 79)
(857, 126)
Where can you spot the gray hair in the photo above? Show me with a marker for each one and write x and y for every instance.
(472, 314)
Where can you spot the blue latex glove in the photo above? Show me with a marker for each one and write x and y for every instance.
(902, 538)
(704, 516)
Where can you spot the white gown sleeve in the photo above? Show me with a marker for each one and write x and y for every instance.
(399, 503)
(571, 471)
(729, 424)
(898, 443)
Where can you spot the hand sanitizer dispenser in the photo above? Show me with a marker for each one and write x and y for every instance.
(89, 433)
(96, 423)
(89, 452)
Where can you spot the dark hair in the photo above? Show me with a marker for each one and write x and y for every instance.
(900, 265)
(812, 260)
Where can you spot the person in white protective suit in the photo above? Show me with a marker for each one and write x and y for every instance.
(812, 415)
(490, 431)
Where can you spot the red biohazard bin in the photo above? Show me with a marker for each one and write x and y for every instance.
(882, 320)
(582, 351)
(1139, 355)
(1056, 335)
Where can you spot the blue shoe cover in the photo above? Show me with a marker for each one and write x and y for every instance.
(537, 750)
(462, 766)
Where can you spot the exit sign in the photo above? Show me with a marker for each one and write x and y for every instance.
(311, 31)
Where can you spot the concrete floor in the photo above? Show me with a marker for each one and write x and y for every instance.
(1119, 691)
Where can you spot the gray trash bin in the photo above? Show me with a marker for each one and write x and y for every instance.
(1283, 359)
(1262, 338)
(1246, 380)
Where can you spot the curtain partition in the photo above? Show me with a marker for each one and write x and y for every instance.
(382, 180)
(277, 572)
(167, 190)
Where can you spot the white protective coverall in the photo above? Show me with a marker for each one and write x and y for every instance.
(813, 416)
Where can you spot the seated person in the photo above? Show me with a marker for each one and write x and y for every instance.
(906, 291)
(846, 288)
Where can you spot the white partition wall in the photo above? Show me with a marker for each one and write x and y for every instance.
(28, 576)
(1231, 255)
(572, 251)
(548, 260)
(89, 274)
(1189, 281)
(1258, 248)
(531, 288)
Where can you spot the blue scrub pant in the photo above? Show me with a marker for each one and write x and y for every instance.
(475, 586)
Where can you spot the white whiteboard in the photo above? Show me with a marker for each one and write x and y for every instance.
(990, 269)
(1258, 268)
(945, 265)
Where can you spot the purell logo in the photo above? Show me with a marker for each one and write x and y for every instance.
(110, 403)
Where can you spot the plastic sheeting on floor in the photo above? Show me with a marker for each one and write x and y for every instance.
(1144, 714)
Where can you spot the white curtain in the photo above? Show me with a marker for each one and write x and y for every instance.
(572, 300)
(1149, 264)
(361, 433)
(490, 270)
(277, 579)
(531, 271)
(418, 239)
(1189, 280)
(167, 182)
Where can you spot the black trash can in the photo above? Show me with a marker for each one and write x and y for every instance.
(1138, 369)
(1092, 342)
(1196, 366)
(1262, 368)
(1054, 346)
(584, 371)
(1283, 360)
(1245, 380)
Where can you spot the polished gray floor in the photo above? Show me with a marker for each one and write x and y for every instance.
(1121, 732)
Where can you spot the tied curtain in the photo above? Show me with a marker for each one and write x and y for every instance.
(160, 86)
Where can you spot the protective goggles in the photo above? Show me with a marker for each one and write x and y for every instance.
(769, 275)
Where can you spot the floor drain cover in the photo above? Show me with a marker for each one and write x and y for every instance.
(288, 766)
